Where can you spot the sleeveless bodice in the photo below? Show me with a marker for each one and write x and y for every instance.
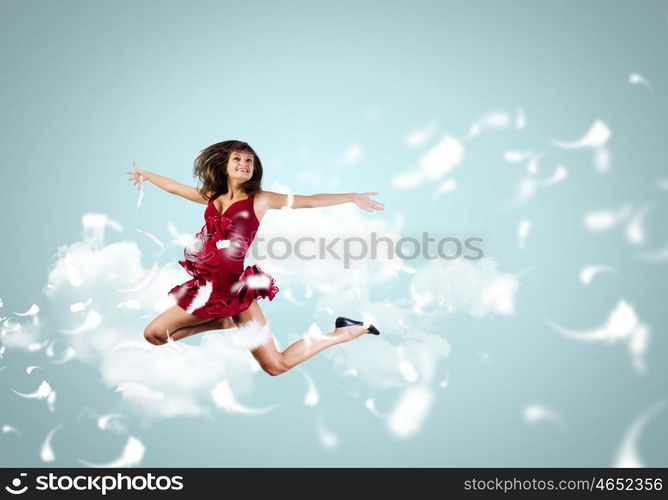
(217, 252)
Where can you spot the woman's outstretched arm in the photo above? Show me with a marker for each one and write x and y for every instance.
(269, 199)
(167, 184)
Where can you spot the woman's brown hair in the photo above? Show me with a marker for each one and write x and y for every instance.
(211, 169)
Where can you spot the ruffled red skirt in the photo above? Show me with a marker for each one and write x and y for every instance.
(204, 298)
(219, 288)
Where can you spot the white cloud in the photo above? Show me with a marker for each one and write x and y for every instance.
(209, 375)
(325, 271)
(475, 287)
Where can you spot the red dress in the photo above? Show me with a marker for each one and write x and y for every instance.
(220, 286)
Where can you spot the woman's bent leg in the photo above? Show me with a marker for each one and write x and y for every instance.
(275, 362)
(169, 321)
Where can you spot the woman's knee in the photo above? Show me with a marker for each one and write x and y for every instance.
(155, 335)
(275, 367)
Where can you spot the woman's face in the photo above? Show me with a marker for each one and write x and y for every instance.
(240, 166)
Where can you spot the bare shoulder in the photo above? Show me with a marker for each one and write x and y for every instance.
(265, 200)
(269, 199)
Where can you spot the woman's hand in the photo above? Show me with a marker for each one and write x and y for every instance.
(137, 176)
(363, 201)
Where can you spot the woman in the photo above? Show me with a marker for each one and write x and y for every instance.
(222, 294)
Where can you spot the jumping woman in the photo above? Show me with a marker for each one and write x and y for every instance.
(222, 294)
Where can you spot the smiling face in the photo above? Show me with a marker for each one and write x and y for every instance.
(240, 165)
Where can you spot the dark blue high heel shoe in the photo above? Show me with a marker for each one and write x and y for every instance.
(341, 321)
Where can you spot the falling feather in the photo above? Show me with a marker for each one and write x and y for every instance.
(110, 422)
(70, 352)
(201, 297)
(46, 453)
(597, 135)
(327, 438)
(371, 406)
(140, 198)
(655, 255)
(494, 119)
(152, 237)
(627, 454)
(311, 397)
(445, 187)
(42, 392)
(638, 79)
(6, 429)
(520, 119)
(34, 309)
(522, 232)
(513, 156)
(224, 398)
(420, 136)
(605, 219)
(36, 346)
(532, 165)
(588, 273)
(408, 416)
(51, 401)
(80, 306)
(622, 324)
(635, 233)
(535, 413)
(174, 345)
(132, 455)
(407, 180)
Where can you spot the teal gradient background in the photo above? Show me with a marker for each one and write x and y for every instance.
(90, 86)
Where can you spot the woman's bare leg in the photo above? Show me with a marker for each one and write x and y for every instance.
(169, 321)
(275, 362)
(212, 324)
